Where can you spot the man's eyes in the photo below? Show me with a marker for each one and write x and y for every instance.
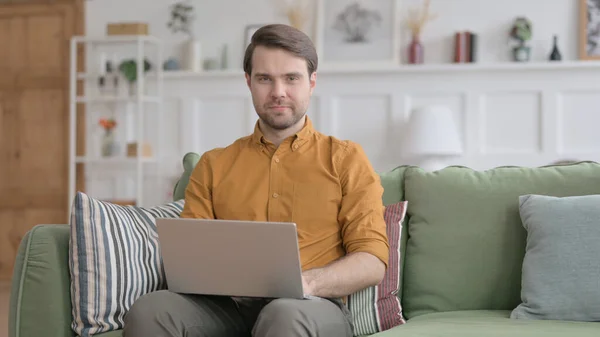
(289, 78)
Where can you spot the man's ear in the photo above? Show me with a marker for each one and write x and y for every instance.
(248, 78)
(313, 81)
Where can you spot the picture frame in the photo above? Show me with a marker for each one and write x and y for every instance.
(249, 31)
(589, 29)
(374, 39)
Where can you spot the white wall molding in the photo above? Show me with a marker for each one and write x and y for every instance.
(508, 114)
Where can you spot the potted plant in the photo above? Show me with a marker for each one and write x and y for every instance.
(109, 145)
(416, 21)
(129, 70)
(181, 20)
(522, 32)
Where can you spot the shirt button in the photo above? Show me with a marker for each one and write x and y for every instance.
(295, 146)
(275, 195)
(276, 160)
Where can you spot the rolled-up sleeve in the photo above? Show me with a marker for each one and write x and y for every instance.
(362, 211)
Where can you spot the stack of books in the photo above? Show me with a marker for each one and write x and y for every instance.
(465, 47)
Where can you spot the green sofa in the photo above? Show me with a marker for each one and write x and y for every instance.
(463, 247)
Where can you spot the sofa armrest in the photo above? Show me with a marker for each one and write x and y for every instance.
(40, 299)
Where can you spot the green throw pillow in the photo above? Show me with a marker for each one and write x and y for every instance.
(561, 268)
(189, 163)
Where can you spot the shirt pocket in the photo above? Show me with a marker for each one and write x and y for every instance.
(315, 204)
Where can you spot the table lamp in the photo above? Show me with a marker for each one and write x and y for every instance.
(432, 137)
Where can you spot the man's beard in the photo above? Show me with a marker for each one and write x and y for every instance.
(276, 123)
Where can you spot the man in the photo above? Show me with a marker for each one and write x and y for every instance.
(284, 171)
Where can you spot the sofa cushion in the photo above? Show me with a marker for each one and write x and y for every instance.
(190, 160)
(492, 323)
(40, 299)
(561, 269)
(114, 258)
(378, 308)
(466, 241)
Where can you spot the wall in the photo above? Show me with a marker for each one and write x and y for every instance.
(508, 114)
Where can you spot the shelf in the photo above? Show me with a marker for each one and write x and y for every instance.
(457, 67)
(116, 99)
(113, 160)
(116, 39)
(95, 75)
(206, 73)
(391, 68)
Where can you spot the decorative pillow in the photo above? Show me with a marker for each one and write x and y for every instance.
(378, 308)
(114, 258)
(190, 160)
(561, 268)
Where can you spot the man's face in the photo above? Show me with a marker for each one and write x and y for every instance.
(280, 87)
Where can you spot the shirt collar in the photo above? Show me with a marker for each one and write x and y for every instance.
(300, 136)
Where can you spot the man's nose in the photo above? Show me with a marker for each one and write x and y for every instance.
(278, 89)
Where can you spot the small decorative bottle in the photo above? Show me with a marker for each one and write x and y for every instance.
(555, 55)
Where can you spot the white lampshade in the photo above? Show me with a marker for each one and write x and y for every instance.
(432, 131)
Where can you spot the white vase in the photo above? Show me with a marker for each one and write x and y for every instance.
(192, 55)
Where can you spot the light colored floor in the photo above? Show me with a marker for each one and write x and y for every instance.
(4, 296)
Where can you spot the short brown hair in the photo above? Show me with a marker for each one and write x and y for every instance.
(284, 37)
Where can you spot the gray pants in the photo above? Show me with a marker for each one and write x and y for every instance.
(164, 313)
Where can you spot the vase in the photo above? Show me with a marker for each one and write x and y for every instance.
(109, 145)
(555, 55)
(521, 53)
(415, 51)
(192, 55)
(131, 89)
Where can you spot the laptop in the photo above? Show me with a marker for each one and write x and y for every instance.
(231, 257)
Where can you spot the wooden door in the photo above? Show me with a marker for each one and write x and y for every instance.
(34, 117)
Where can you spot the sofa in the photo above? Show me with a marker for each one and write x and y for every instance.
(462, 255)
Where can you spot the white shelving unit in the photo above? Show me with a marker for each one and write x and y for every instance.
(140, 100)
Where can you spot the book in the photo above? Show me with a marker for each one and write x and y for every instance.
(465, 47)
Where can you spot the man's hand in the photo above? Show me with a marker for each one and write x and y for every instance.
(306, 285)
(344, 276)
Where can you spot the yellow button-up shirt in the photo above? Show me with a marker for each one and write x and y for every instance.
(324, 185)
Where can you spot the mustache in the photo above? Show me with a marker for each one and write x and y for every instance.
(279, 104)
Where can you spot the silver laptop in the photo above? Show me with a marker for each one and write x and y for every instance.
(231, 258)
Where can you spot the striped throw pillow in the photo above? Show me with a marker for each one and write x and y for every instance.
(376, 309)
(114, 258)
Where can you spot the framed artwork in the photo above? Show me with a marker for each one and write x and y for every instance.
(358, 31)
(250, 30)
(589, 29)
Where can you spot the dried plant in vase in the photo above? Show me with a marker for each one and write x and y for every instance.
(296, 11)
(416, 21)
(182, 20)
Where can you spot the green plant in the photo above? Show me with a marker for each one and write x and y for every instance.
(182, 16)
(521, 30)
(129, 69)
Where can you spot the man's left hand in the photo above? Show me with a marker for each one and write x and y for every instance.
(307, 282)
(344, 276)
